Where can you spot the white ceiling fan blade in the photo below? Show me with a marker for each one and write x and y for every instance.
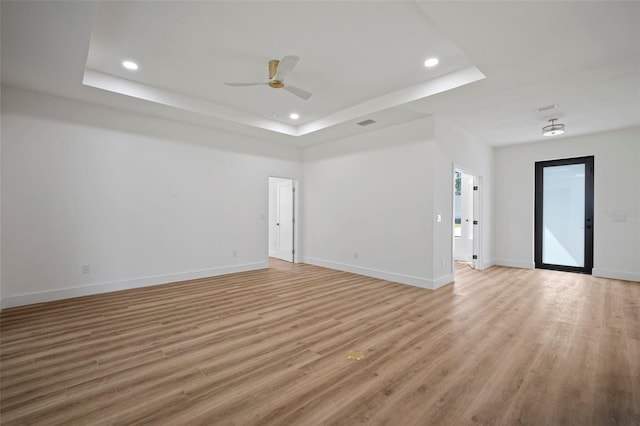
(298, 92)
(286, 64)
(244, 84)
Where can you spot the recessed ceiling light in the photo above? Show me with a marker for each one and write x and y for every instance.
(294, 116)
(130, 65)
(431, 62)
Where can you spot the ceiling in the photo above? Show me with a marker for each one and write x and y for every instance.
(499, 62)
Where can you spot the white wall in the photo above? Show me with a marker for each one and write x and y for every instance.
(141, 200)
(371, 194)
(378, 194)
(616, 199)
(0, 206)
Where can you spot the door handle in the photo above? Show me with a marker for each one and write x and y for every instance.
(277, 223)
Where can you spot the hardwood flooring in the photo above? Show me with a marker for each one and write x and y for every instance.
(501, 346)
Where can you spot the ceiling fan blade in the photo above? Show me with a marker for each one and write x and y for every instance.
(298, 92)
(286, 64)
(244, 84)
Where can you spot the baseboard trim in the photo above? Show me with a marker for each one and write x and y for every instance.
(616, 275)
(88, 290)
(515, 264)
(376, 273)
(442, 281)
(487, 265)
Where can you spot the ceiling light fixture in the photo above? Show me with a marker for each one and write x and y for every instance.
(294, 116)
(130, 65)
(431, 62)
(553, 129)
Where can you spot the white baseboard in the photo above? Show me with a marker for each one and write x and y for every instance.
(486, 265)
(67, 293)
(616, 275)
(442, 281)
(383, 275)
(515, 264)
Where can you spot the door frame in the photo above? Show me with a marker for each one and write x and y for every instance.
(588, 161)
(477, 213)
(295, 230)
(463, 247)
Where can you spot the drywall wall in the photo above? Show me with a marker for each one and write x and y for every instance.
(372, 201)
(0, 205)
(96, 199)
(455, 147)
(616, 199)
(368, 203)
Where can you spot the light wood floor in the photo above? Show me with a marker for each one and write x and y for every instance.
(502, 346)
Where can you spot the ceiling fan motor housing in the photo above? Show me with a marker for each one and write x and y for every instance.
(273, 69)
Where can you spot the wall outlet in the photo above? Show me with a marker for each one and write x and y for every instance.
(356, 254)
(234, 254)
(86, 269)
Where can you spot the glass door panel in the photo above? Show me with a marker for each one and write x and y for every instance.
(563, 216)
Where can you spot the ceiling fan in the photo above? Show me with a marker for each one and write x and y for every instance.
(277, 71)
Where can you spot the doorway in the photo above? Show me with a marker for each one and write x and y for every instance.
(466, 217)
(282, 218)
(564, 215)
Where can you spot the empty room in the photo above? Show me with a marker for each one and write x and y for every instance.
(320, 212)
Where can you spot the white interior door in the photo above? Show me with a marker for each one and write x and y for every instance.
(284, 221)
(463, 232)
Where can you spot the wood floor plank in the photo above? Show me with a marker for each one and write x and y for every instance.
(500, 346)
(633, 347)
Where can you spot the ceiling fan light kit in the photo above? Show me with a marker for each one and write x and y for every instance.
(277, 71)
(553, 129)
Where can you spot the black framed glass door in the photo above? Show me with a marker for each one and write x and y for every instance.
(564, 214)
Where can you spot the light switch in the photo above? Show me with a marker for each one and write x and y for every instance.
(439, 218)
